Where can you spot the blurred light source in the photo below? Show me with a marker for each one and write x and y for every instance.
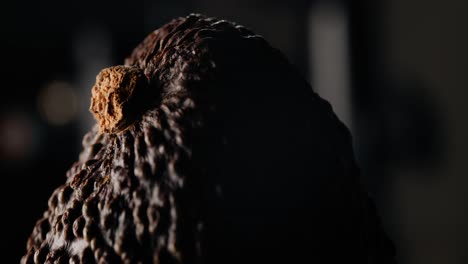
(329, 56)
(16, 136)
(57, 103)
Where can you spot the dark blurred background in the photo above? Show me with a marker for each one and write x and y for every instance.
(394, 71)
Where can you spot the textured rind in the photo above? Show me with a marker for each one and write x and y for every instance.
(139, 196)
(119, 204)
